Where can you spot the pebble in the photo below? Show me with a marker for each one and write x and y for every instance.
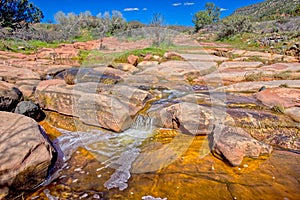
(99, 175)
(84, 196)
(96, 196)
(212, 168)
(245, 165)
(77, 170)
(75, 180)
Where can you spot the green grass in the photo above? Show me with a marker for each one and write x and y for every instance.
(25, 46)
(140, 52)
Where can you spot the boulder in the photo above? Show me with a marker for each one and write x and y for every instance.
(30, 109)
(26, 153)
(10, 96)
(189, 118)
(110, 107)
(234, 144)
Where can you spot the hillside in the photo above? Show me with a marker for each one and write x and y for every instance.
(270, 9)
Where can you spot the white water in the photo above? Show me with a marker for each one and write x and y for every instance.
(114, 150)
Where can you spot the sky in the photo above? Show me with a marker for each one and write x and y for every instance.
(175, 12)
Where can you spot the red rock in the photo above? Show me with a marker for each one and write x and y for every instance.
(132, 59)
(285, 97)
(148, 57)
(26, 153)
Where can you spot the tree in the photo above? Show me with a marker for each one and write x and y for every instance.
(14, 13)
(205, 17)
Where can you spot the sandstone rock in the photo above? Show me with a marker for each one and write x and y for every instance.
(132, 59)
(235, 144)
(294, 113)
(147, 64)
(26, 153)
(9, 97)
(188, 118)
(171, 54)
(255, 86)
(13, 74)
(127, 67)
(112, 108)
(178, 70)
(203, 58)
(241, 65)
(148, 57)
(285, 97)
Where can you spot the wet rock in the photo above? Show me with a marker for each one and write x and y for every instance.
(30, 109)
(26, 153)
(9, 97)
(234, 144)
(109, 107)
(132, 59)
(189, 118)
(274, 129)
(285, 97)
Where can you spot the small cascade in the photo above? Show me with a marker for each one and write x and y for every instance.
(143, 123)
(113, 150)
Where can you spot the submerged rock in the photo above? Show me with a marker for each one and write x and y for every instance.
(234, 144)
(188, 118)
(26, 153)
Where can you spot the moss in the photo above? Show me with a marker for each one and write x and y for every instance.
(278, 109)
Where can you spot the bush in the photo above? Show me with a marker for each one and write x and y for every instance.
(234, 25)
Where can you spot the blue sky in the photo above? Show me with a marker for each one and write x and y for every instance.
(175, 12)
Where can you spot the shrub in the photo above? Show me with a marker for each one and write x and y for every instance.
(234, 25)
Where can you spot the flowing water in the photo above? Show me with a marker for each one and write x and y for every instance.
(147, 162)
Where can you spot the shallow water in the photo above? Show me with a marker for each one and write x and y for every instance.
(145, 162)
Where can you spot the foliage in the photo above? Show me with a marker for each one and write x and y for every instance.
(205, 17)
(234, 25)
(72, 25)
(140, 52)
(270, 10)
(15, 13)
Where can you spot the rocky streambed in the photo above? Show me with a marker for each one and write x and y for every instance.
(205, 126)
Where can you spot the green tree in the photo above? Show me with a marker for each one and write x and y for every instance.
(14, 13)
(205, 17)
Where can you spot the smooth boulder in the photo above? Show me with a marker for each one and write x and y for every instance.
(26, 153)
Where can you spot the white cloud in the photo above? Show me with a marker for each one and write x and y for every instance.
(223, 9)
(176, 4)
(131, 9)
(145, 8)
(188, 3)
